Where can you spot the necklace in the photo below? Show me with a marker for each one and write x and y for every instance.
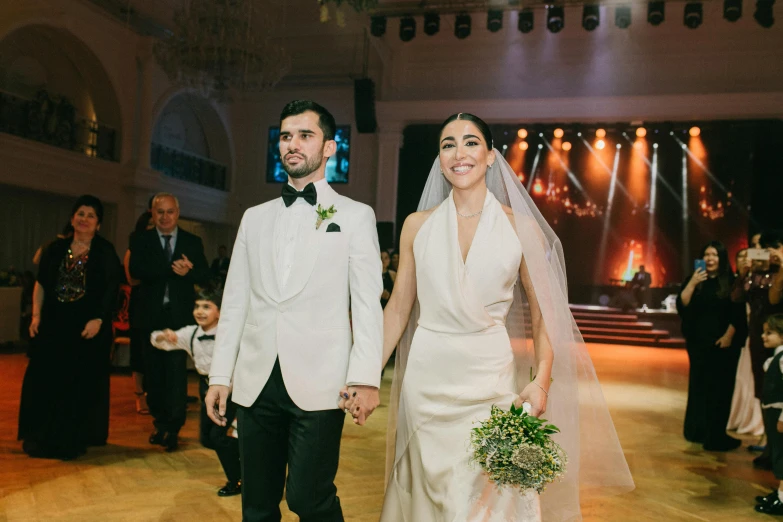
(469, 215)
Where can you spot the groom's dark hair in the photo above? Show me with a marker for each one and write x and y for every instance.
(325, 118)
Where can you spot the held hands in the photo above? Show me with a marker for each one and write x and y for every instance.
(699, 276)
(92, 328)
(534, 395)
(181, 267)
(34, 325)
(359, 401)
(215, 403)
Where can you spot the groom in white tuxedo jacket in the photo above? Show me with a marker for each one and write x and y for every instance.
(285, 340)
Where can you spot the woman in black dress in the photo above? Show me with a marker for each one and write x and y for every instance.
(388, 276)
(65, 393)
(714, 330)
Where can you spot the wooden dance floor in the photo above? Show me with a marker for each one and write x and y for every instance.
(129, 480)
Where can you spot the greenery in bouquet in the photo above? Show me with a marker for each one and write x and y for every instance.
(516, 449)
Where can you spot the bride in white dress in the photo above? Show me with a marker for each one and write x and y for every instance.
(478, 305)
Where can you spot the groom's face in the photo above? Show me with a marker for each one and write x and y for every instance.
(303, 149)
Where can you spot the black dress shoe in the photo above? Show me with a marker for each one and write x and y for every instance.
(768, 499)
(728, 444)
(235, 488)
(773, 508)
(157, 437)
(763, 462)
(170, 442)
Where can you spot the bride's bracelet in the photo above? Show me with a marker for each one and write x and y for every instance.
(542, 388)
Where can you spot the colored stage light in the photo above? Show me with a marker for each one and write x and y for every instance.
(600, 144)
(559, 133)
(567, 145)
(523, 145)
(600, 133)
(538, 188)
(521, 177)
(694, 131)
(522, 133)
(555, 18)
(641, 132)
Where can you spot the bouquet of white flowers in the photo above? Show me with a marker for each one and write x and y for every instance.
(516, 449)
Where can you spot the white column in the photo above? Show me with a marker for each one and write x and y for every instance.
(389, 144)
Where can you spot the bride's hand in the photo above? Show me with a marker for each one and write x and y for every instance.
(535, 396)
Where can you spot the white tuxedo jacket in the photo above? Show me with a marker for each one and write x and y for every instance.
(306, 324)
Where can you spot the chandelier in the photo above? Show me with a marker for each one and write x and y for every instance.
(219, 46)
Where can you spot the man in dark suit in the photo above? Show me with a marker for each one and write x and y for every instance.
(168, 261)
(641, 287)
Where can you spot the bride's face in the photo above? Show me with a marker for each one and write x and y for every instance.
(464, 154)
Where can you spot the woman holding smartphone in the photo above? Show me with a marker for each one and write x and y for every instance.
(714, 330)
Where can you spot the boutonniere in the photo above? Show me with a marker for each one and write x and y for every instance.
(324, 214)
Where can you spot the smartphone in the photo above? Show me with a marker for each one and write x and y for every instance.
(699, 263)
(758, 254)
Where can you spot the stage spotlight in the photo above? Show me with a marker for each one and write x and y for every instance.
(540, 146)
(600, 133)
(694, 131)
(558, 133)
(693, 15)
(641, 132)
(622, 16)
(619, 146)
(763, 13)
(462, 26)
(732, 10)
(521, 177)
(522, 133)
(638, 145)
(600, 144)
(431, 24)
(579, 134)
(555, 18)
(407, 28)
(523, 145)
(655, 13)
(655, 145)
(591, 17)
(494, 21)
(525, 22)
(538, 188)
(378, 26)
(566, 145)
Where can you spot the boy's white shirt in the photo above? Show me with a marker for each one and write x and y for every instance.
(778, 405)
(203, 349)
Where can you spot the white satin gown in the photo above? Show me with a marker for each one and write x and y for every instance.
(460, 364)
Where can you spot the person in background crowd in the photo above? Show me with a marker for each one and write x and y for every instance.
(65, 394)
(168, 261)
(395, 260)
(220, 264)
(389, 276)
(754, 289)
(640, 284)
(714, 329)
(136, 334)
(772, 406)
(198, 340)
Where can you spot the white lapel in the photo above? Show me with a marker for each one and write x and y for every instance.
(265, 246)
(308, 247)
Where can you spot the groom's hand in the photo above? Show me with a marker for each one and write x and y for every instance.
(215, 403)
(360, 401)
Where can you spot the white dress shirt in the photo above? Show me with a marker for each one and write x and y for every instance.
(288, 229)
(200, 351)
(778, 405)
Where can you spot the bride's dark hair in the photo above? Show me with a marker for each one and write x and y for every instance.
(475, 120)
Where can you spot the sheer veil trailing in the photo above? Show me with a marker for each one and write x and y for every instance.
(596, 464)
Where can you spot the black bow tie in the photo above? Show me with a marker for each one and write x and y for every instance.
(206, 338)
(290, 194)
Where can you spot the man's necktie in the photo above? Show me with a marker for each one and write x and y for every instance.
(290, 194)
(206, 338)
(167, 248)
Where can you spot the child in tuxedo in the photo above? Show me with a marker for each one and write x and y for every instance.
(199, 340)
(772, 409)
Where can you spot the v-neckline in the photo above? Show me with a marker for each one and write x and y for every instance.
(464, 260)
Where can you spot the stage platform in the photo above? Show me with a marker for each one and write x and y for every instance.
(653, 328)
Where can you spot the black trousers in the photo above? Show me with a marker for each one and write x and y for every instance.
(217, 438)
(273, 433)
(774, 439)
(166, 381)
